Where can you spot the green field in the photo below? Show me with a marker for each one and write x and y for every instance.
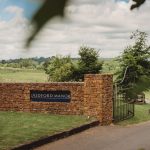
(18, 128)
(22, 75)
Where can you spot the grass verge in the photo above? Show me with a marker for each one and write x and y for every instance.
(142, 114)
(18, 128)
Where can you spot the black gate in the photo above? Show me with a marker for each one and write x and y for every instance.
(123, 107)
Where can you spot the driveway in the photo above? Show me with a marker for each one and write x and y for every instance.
(135, 137)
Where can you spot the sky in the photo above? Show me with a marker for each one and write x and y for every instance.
(105, 25)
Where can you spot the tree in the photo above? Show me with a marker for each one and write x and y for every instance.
(135, 60)
(88, 63)
(59, 69)
(3, 61)
(52, 8)
(62, 69)
(27, 63)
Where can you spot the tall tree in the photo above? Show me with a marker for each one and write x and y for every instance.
(88, 63)
(135, 60)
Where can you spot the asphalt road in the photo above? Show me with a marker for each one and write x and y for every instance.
(135, 137)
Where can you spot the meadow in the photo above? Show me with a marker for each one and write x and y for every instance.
(22, 75)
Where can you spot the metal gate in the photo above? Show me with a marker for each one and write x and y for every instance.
(123, 107)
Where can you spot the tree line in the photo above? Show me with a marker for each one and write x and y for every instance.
(26, 63)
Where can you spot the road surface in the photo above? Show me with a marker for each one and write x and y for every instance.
(135, 137)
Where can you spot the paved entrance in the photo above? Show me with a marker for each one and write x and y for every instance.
(136, 137)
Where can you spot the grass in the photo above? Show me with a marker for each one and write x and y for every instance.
(17, 128)
(22, 75)
(141, 115)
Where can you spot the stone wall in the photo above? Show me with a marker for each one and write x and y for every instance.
(91, 98)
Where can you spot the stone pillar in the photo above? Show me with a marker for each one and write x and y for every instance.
(98, 97)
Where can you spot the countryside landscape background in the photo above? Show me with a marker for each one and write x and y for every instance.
(32, 70)
(116, 41)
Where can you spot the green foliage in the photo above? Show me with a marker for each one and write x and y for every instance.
(88, 63)
(62, 69)
(59, 68)
(26, 63)
(3, 61)
(142, 86)
(136, 57)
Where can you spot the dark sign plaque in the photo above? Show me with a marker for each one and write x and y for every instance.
(50, 96)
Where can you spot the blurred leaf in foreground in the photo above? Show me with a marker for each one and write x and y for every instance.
(52, 8)
(137, 4)
(47, 11)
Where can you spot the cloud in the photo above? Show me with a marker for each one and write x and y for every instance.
(102, 24)
(12, 33)
(14, 9)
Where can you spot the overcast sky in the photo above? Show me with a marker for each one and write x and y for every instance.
(102, 24)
